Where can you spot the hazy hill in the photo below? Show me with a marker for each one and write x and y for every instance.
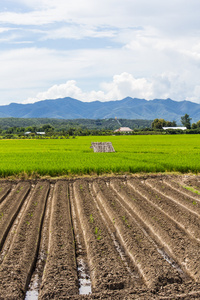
(128, 108)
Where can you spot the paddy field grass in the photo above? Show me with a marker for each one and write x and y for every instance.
(134, 154)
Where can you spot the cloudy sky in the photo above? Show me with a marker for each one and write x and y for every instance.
(99, 49)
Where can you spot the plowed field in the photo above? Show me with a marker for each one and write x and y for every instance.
(100, 238)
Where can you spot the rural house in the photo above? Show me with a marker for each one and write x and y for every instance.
(123, 129)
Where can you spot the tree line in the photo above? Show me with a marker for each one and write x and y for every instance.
(185, 120)
(62, 124)
(78, 127)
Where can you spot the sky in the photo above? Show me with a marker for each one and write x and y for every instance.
(99, 50)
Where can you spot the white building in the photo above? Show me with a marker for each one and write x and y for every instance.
(182, 128)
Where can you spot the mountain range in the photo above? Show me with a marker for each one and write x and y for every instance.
(128, 108)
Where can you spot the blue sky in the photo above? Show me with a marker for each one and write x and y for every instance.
(99, 50)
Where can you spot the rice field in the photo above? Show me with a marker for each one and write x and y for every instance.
(134, 154)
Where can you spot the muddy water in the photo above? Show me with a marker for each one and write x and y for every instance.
(84, 279)
(122, 255)
(31, 295)
(85, 286)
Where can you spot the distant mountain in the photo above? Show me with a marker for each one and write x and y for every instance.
(128, 108)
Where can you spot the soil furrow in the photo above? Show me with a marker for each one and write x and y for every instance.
(140, 250)
(185, 217)
(85, 286)
(10, 237)
(181, 195)
(10, 208)
(36, 278)
(131, 269)
(60, 273)
(185, 185)
(17, 266)
(5, 189)
(163, 229)
(191, 181)
(106, 267)
(121, 237)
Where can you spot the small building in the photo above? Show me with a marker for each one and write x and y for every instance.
(181, 128)
(40, 133)
(123, 129)
(27, 132)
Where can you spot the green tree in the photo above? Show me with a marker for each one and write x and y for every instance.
(170, 124)
(194, 125)
(32, 129)
(158, 123)
(47, 128)
(186, 121)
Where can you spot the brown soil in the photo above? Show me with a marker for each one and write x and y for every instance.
(138, 235)
(60, 275)
(105, 263)
(135, 240)
(17, 265)
(4, 190)
(10, 208)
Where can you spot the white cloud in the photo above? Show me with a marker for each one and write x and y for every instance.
(153, 46)
(78, 32)
(126, 85)
(30, 18)
(149, 74)
(4, 29)
(69, 89)
(123, 85)
(127, 13)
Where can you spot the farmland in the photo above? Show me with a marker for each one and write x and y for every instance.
(107, 237)
(134, 154)
(122, 236)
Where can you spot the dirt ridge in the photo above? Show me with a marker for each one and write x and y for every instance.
(16, 268)
(60, 263)
(11, 208)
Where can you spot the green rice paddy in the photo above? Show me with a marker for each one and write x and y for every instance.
(134, 154)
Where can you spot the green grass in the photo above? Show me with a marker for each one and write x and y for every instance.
(191, 189)
(156, 153)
